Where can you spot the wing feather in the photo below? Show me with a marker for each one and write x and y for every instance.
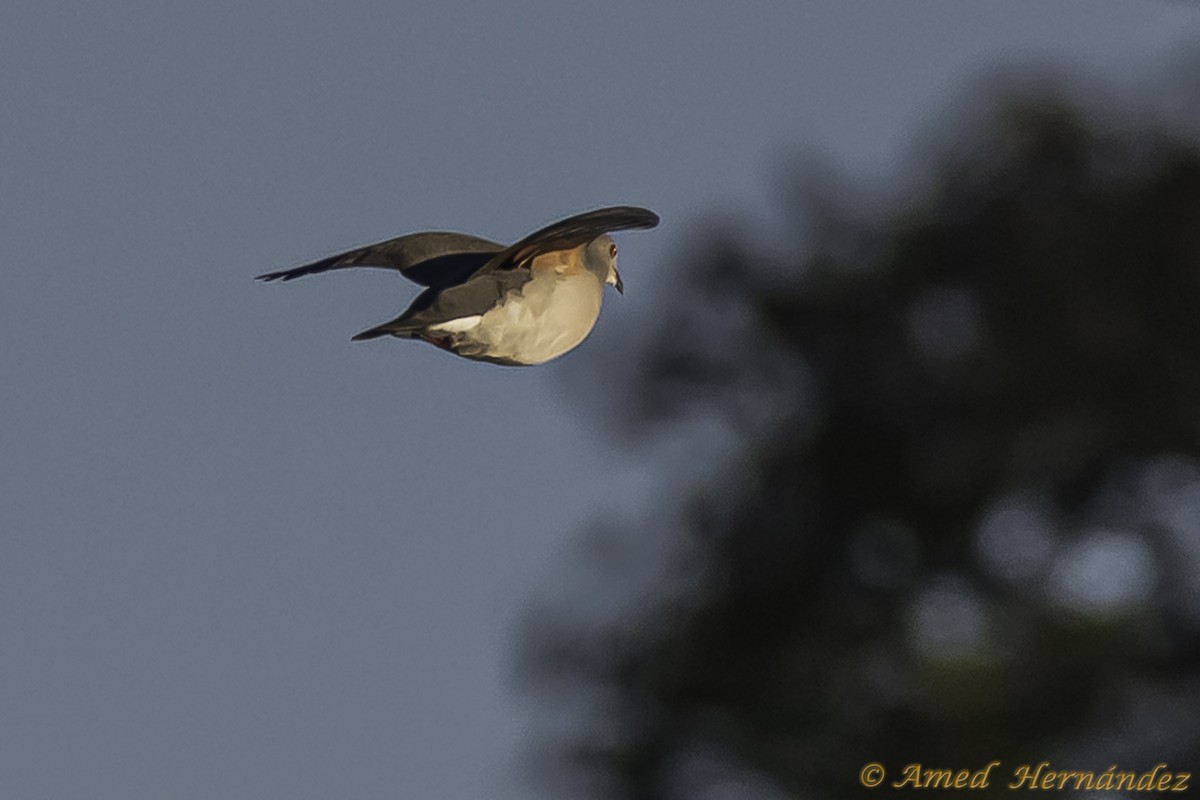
(427, 258)
(570, 233)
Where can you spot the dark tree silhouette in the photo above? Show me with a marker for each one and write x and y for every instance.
(962, 519)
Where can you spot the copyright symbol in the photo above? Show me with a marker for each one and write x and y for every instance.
(872, 775)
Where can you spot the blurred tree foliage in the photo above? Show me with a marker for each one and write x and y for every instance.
(962, 519)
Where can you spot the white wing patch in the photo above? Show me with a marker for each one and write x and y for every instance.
(460, 325)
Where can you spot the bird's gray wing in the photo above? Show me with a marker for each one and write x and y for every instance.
(570, 233)
(436, 258)
(471, 297)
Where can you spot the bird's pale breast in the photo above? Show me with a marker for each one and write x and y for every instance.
(549, 316)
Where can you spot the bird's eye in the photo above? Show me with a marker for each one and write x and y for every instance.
(612, 251)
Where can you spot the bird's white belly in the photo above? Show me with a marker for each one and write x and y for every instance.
(552, 314)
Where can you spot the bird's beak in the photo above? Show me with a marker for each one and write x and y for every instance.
(618, 284)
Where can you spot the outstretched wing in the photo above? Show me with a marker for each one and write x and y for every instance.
(431, 259)
(570, 233)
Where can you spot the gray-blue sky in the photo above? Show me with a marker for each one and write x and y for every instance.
(241, 557)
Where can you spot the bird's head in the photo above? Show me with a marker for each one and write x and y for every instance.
(602, 253)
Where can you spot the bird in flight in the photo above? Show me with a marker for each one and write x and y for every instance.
(519, 305)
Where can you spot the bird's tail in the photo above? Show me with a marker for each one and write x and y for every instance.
(371, 333)
(394, 328)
